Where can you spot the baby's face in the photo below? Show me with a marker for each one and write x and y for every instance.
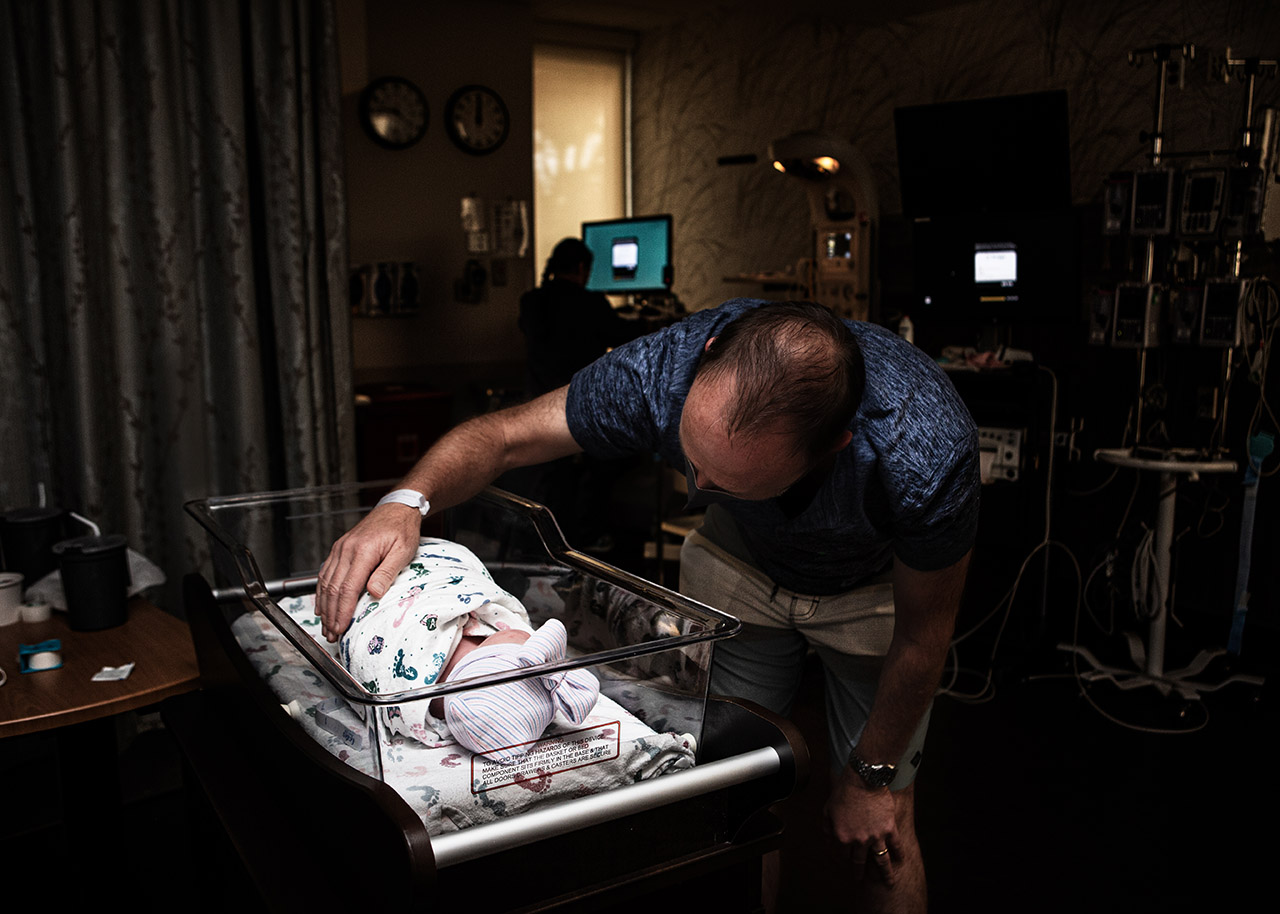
(465, 647)
(510, 636)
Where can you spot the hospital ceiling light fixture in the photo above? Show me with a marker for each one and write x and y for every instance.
(816, 156)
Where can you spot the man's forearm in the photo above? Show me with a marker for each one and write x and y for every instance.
(926, 605)
(908, 681)
(475, 453)
(468, 458)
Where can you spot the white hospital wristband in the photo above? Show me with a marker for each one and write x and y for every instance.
(410, 497)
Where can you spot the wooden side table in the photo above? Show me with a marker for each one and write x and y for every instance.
(80, 714)
(157, 643)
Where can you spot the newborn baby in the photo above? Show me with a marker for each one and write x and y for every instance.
(444, 618)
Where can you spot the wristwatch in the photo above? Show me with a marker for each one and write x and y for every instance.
(875, 776)
(410, 497)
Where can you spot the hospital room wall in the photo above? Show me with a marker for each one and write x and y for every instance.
(404, 205)
(713, 85)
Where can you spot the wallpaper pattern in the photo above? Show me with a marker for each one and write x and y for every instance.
(729, 81)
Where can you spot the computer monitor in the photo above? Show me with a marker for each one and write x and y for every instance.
(631, 255)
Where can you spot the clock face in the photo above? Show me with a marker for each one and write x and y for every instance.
(476, 119)
(393, 112)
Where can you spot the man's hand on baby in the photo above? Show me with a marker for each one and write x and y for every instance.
(366, 557)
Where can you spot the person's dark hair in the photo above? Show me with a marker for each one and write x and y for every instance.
(796, 366)
(566, 257)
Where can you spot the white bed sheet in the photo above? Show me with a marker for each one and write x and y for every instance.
(446, 785)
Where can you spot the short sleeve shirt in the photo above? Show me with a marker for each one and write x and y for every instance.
(906, 485)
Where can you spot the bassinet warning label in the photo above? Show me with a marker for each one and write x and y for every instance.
(547, 757)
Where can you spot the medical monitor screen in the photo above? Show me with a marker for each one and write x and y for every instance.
(630, 255)
(999, 265)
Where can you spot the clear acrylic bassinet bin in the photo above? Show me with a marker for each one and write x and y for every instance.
(650, 648)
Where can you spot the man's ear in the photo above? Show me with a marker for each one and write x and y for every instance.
(708, 344)
(842, 442)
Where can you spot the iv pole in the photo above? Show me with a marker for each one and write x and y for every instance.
(1162, 54)
(1248, 69)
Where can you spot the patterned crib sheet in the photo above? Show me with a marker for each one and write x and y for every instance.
(445, 784)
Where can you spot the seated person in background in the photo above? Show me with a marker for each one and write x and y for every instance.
(567, 328)
(445, 618)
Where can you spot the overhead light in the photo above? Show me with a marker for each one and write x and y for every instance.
(826, 164)
(811, 155)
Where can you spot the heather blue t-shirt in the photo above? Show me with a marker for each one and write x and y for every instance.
(907, 484)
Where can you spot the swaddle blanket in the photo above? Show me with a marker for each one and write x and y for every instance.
(403, 640)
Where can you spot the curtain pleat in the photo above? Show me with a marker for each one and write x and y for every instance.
(173, 321)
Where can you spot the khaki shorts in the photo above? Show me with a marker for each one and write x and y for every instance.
(850, 632)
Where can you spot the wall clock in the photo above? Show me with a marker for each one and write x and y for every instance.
(393, 111)
(476, 119)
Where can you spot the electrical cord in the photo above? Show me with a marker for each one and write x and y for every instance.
(1128, 725)
(987, 691)
(952, 651)
(1133, 495)
(1141, 571)
(1107, 565)
(1217, 511)
(1085, 493)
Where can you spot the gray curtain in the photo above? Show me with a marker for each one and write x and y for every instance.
(173, 319)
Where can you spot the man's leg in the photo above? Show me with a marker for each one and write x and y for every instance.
(764, 663)
(909, 892)
(760, 666)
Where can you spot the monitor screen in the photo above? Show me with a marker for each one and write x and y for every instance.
(995, 264)
(631, 255)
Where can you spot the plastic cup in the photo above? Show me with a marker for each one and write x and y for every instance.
(10, 597)
(95, 580)
(27, 536)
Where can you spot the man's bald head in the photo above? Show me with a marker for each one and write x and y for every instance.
(794, 368)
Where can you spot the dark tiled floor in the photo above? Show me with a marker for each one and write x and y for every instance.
(1032, 801)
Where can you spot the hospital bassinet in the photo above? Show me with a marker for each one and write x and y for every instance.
(661, 785)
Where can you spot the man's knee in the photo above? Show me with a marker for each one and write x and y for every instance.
(904, 812)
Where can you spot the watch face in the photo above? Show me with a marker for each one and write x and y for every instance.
(872, 775)
(393, 112)
(477, 119)
(880, 775)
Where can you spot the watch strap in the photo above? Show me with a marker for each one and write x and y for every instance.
(410, 497)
